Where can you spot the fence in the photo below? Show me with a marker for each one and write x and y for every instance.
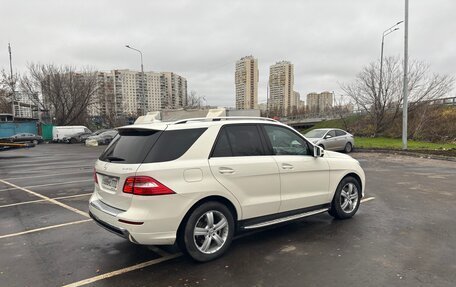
(9, 129)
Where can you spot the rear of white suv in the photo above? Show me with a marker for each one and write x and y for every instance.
(200, 182)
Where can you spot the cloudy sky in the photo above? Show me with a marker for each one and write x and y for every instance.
(328, 41)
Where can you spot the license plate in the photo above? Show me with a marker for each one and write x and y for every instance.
(109, 182)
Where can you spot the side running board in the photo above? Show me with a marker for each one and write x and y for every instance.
(285, 219)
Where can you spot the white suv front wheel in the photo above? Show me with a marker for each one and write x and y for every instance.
(208, 231)
(346, 199)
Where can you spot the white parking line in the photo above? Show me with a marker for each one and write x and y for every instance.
(51, 174)
(48, 184)
(123, 270)
(47, 198)
(44, 228)
(367, 199)
(41, 200)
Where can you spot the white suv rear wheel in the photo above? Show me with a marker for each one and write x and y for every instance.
(208, 231)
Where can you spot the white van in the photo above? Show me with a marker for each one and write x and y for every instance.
(59, 132)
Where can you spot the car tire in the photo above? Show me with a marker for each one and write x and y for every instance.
(348, 148)
(72, 141)
(208, 231)
(347, 198)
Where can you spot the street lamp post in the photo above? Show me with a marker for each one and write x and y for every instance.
(405, 100)
(13, 90)
(385, 33)
(143, 96)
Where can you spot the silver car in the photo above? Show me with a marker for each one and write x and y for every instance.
(332, 139)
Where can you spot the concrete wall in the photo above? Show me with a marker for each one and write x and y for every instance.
(242, 113)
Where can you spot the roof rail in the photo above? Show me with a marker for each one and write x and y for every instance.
(214, 119)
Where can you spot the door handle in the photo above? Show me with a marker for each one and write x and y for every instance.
(287, 166)
(226, 170)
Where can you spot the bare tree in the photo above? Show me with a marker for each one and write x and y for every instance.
(384, 105)
(342, 109)
(5, 104)
(194, 101)
(7, 90)
(60, 90)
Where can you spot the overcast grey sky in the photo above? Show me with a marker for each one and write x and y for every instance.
(328, 41)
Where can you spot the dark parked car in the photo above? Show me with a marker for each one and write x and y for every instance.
(77, 137)
(26, 137)
(95, 133)
(103, 138)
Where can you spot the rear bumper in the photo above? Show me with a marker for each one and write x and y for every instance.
(116, 230)
(151, 232)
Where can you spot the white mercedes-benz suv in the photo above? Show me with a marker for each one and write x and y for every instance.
(197, 182)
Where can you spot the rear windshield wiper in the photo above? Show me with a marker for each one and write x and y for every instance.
(114, 158)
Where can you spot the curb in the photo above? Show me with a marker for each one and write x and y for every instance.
(407, 153)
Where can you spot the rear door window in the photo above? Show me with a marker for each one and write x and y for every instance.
(238, 140)
(222, 148)
(173, 144)
(340, 133)
(130, 146)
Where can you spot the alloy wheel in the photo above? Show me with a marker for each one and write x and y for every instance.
(210, 232)
(349, 197)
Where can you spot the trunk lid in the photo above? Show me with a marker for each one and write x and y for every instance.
(120, 160)
(111, 178)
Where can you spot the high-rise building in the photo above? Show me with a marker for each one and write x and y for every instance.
(312, 103)
(319, 103)
(173, 91)
(119, 93)
(246, 82)
(326, 100)
(281, 83)
(103, 102)
(297, 101)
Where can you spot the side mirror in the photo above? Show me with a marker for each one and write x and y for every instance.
(318, 151)
(328, 136)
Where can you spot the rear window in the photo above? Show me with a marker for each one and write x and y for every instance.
(130, 146)
(173, 144)
(148, 146)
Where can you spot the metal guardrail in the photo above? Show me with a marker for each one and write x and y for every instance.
(328, 116)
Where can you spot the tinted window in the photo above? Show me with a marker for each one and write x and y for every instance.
(222, 147)
(340, 133)
(285, 141)
(130, 146)
(173, 144)
(239, 140)
(331, 133)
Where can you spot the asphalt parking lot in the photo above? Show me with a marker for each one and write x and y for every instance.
(403, 235)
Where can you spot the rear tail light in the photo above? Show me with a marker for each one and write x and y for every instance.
(95, 177)
(144, 185)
